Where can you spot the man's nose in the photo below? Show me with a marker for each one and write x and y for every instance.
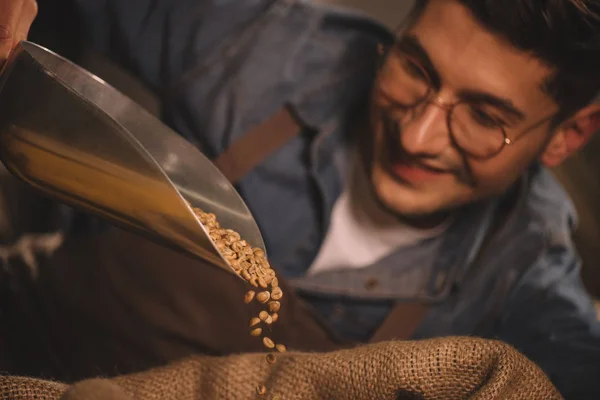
(426, 132)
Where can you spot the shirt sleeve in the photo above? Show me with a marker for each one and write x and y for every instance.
(551, 319)
(160, 40)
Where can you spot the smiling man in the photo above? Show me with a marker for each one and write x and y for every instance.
(408, 195)
(460, 112)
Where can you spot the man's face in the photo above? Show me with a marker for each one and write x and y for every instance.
(417, 169)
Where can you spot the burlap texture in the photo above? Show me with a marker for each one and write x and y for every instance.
(449, 368)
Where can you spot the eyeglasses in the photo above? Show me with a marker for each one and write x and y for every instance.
(475, 129)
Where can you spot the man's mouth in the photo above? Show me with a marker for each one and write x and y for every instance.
(413, 173)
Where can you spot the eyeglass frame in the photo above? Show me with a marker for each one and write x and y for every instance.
(428, 98)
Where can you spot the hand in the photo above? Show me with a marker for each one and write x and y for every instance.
(16, 17)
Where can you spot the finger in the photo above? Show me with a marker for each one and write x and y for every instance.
(10, 12)
(29, 11)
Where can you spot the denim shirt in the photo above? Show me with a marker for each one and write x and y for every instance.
(223, 66)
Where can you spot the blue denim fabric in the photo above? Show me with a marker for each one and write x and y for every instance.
(222, 66)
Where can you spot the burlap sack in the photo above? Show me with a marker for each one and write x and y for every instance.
(450, 368)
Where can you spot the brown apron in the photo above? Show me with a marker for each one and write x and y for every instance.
(116, 303)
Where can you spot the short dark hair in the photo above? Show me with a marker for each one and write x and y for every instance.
(563, 34)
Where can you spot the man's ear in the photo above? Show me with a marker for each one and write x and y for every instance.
(572, 135)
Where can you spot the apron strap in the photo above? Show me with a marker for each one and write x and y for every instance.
(405, 317)
(256, 145)
(401, 322)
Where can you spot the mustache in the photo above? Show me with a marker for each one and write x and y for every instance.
(394, 151)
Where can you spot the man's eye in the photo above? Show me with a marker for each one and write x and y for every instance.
(484, 119)
(414, 70)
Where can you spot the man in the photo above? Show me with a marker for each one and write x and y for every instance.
(416, 186)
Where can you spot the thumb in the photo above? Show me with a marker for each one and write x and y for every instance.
(29, 10)
(16, 17)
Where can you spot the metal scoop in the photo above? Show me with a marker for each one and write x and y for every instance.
(69, 134)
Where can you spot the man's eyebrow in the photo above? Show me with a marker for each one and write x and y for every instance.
(504, 104)
(410, 44)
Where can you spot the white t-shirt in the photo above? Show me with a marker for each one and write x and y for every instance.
(361, 232)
